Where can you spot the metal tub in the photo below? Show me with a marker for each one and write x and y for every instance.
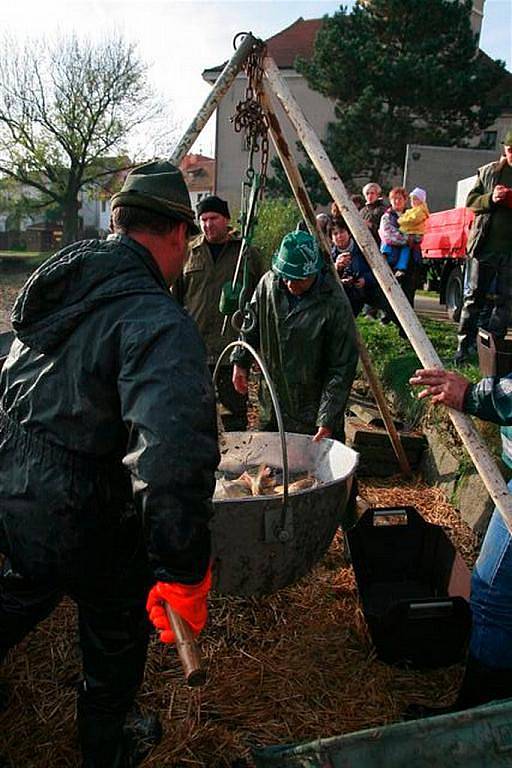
(264, 543)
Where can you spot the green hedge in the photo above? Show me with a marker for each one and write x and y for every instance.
(275, 219)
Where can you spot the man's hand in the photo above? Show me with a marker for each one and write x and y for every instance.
(499, 193)
(359, 283)
(342, 261)
(321, 433)
(240, 380)
(187, 600)
(444, 387)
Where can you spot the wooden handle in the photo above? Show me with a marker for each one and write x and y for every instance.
(188, 651)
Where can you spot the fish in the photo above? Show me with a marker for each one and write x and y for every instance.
(264, 482)
(239, 488)
(308, 481)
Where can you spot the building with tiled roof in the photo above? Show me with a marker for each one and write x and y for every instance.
(199, 174)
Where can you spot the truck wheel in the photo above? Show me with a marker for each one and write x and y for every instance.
(454, 294)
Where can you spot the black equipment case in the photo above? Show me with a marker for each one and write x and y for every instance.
(414, 588)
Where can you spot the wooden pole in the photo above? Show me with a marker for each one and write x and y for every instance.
(187, 648)
(422, 345)
(221, 87)
(306, 208)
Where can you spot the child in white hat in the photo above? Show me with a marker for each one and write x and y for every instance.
(412, 223)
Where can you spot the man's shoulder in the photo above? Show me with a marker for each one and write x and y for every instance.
(495, 165)
(197, 242)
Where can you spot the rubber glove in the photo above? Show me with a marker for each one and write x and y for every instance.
(188, 600)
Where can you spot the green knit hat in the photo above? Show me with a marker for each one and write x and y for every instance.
(158, 187)
(507, 139)
(298, 256)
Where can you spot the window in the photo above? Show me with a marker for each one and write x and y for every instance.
(488, 140)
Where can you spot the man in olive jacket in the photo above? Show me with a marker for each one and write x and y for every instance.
(108, 449)
(305, 332)
(489, 252)
(211, 264)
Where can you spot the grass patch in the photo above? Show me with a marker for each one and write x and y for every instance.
(396, 361)
(23, 259)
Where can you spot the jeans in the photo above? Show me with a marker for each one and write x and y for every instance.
(491, 597)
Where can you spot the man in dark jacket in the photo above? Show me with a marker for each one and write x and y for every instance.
(108, 448)
(305, 331)
(211, 264)
(489, 252)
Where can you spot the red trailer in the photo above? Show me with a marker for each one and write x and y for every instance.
(444, 253)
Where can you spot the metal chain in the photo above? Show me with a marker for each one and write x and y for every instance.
(251, 118)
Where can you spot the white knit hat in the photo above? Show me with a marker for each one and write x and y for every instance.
(420, 194)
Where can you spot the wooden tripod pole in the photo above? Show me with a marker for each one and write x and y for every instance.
(219, 90)
(422, 345)
(306, 208)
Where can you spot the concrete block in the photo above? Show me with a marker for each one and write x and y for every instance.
(439, 466)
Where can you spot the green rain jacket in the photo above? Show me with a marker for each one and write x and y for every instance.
(310, 351)
(108, 436)
(199, 288)
(480, 201)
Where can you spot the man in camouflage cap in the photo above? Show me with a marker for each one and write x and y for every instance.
(305, 332)
(108, 449)
(489, 250)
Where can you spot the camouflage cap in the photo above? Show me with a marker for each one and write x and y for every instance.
(158, 187)
(298, 256)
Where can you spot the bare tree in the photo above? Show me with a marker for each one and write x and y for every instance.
(67, 109)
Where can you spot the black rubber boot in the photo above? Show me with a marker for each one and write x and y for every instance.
(141, 733)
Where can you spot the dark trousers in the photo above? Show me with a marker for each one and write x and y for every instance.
(481, 271)
(114, 631)
(236, 419)
(409, 284)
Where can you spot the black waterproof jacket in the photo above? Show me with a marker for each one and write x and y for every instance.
(108, 437)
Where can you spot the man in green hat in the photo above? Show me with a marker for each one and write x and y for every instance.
(305, 331)
(489, 250)
(108, 448)
(211, 264)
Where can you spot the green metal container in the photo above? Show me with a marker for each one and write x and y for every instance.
(476, 738)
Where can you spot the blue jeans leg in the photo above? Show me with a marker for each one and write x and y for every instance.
(491, 597)
(403, 258)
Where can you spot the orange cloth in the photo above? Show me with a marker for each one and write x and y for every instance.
(188, 600)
